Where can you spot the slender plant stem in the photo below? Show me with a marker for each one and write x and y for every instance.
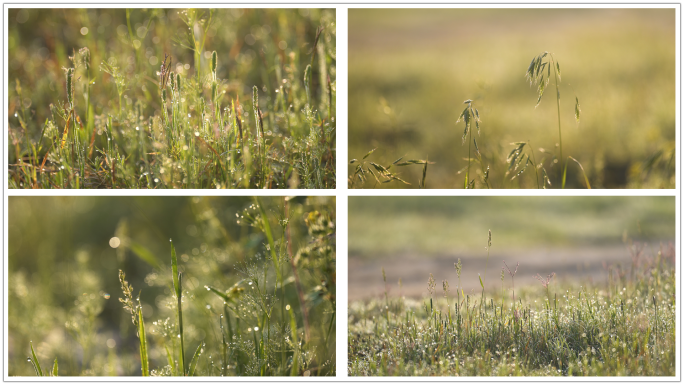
(560, 139)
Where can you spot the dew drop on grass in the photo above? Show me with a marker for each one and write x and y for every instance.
(107, 296)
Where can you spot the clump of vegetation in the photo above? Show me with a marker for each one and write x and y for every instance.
(382, 171)
(236, 99)
(263, 307)
(624, 327)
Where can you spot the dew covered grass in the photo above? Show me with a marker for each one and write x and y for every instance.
(625, 327)
(246, 288)
(171, 98)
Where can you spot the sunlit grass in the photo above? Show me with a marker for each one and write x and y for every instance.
(166, 98)
(410, 70)
(623, 328)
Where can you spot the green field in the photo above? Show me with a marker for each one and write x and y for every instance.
(521, 286)
(623, 328)
(246, 288)
(411, 70)
(171, 98)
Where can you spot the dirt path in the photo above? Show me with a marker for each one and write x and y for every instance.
(577, 264)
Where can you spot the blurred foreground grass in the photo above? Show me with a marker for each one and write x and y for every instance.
(411, 70)
(64, 254)
(168, 98)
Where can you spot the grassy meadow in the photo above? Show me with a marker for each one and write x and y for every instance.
(171, 98)
(450, 98)
(96, 288)
(512, 286)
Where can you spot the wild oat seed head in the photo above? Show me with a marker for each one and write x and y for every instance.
(489, 239)
(445, 287)
(431, 284)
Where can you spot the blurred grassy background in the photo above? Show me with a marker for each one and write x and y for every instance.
(411, 69)
(576, 237)
(437, 225)
(61, 267)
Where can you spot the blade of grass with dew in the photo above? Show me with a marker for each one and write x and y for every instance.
(269, 236)
(144, 361)
(36, 363)
(195, 359)
(180, 323)
(293, 330)
(170, 360)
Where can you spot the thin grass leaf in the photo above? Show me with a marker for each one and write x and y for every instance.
(219, 293)
(578, 111)
(55, 369)
(269, 236)
(586, 180)
(422, 182)
(174, 269)
(398, 160)
(558, 70)
(369, 153)
(171, 361)
(195, 359)
(293, 332)
(144, 361)
(144, 254)
(181, 360)
(34, 360)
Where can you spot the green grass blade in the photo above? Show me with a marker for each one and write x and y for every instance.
(55, 369)
(181, 360)
(144, 254)
(219, 293)
(586, 180)
(144, 361)
(174, 270)
(295, 357)
(36, 363)
(195, 359)
(171, 362)
(269, 236)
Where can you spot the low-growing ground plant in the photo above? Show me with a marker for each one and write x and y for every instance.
(269, 311)
(623, 328)
(174, 99)
(383, 171)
